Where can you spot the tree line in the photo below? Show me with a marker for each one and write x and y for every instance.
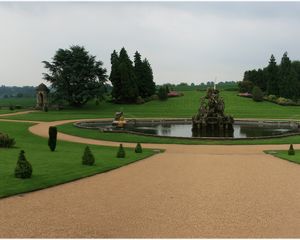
(77, 77)
(130, 80)
(282, 80)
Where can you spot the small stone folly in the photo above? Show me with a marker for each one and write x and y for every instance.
(41, 96)
(210, 121)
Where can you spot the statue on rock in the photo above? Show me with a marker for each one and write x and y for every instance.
(210, 121)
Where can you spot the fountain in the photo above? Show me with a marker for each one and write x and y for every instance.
(119, 120)
(210, 119)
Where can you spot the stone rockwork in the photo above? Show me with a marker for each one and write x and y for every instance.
(210, 119)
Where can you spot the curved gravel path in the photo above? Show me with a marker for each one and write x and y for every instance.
(188, 191)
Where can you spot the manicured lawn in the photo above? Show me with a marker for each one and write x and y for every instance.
(185, 106)
(124, 137)
(52, 168)
(284, 155)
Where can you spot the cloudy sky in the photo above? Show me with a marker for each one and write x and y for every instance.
(184, 41)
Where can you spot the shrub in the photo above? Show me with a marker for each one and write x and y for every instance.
(272, 98)
(11, 107)
(162, 93)
(291, 150)
(284, 101)
(52, 138)
(23, 168)
(154, 97)
(138, 148)
(88, 157)
(6, 141)
(18, 107)
(45, 108)
(140, 100)
(257, 94)
(121, 152)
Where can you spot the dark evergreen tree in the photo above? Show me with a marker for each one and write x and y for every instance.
(291, 150)
(288, 84)
(23, 168)
(121, 152)
(149, 82)
(115, 77)
(272, 77)
(88, 157)
(138, 148)
(140, 75)
(75, 75)
(129, 90)
(52, 138)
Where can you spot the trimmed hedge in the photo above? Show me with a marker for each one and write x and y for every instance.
(6, 141)
(291, 150)
(138, 148)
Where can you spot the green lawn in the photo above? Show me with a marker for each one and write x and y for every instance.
(185, 106)
(284, 155)
(124, 137)
(24, 102)
(52, 168)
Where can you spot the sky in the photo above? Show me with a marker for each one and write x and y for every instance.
(189, 42)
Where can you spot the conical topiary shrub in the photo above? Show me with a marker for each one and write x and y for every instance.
(138, 148)
(121, 152)
(88, 157)
(52, 138)
(23, 168)
(291, 150)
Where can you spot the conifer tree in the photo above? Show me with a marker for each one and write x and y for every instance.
(149, 82)
(272, 76)
(23, 168)
(115, 77)
(88, 157)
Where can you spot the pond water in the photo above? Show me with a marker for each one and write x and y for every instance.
(185, 129)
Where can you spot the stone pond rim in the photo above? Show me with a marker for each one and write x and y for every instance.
(268, 123)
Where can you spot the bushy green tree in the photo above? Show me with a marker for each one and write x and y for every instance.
(52, 138)
(162, 93)
(88, 157)
(75, 75)
(138, 148)
(245, 86)
(23, 168)
(291, 150)
(121, 152)
(257, 94)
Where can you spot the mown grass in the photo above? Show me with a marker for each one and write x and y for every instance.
(283, 154)
(52, 168)
(185, 106)
(124, 137)
(24, 102)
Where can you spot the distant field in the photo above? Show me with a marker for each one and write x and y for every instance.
(185, 106)
(52, 168)
(24, 102)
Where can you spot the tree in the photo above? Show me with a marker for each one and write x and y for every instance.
(88, 157)
(291, 150)
(121, 152)
(272, 76)
(75, 75)
(138, 148)
(162, 93)
(115, 77)
(257, 94)
(52, 138)
(288, 84)
(23, 168)
(149, 82)
(245, 86)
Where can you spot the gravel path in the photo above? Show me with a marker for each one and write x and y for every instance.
(188, 191)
